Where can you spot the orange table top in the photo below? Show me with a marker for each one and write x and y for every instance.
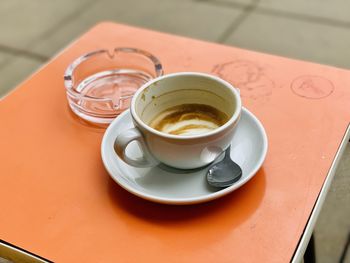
(57, 200)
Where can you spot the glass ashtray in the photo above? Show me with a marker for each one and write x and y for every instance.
(100, 84)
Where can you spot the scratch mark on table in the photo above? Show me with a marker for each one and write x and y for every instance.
(248, 76)
(312, 87)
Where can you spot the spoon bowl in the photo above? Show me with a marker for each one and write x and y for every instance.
(224, 173)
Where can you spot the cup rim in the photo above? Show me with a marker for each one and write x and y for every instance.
(226, 84)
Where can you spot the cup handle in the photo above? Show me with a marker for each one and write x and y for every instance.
(121, 143)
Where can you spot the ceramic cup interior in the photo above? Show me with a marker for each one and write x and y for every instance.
(173, 90)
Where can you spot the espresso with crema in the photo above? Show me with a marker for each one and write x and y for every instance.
(189, 119)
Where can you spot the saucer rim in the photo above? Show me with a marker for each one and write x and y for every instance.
(183, 201)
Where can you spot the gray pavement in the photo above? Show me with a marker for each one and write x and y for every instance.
(313, 30)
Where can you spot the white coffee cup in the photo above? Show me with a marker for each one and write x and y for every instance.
(179, 151)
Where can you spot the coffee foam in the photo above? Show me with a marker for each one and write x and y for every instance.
(189, 127)
(189, 119)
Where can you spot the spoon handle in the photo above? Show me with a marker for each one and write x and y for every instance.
(228, 152)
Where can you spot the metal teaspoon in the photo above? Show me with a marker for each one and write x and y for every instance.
(224, 173)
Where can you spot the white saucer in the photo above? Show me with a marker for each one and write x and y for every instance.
(170, 186)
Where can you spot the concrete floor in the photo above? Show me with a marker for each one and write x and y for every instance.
(313, 30)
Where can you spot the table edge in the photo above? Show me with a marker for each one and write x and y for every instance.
(308, 230)
(17, 254)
